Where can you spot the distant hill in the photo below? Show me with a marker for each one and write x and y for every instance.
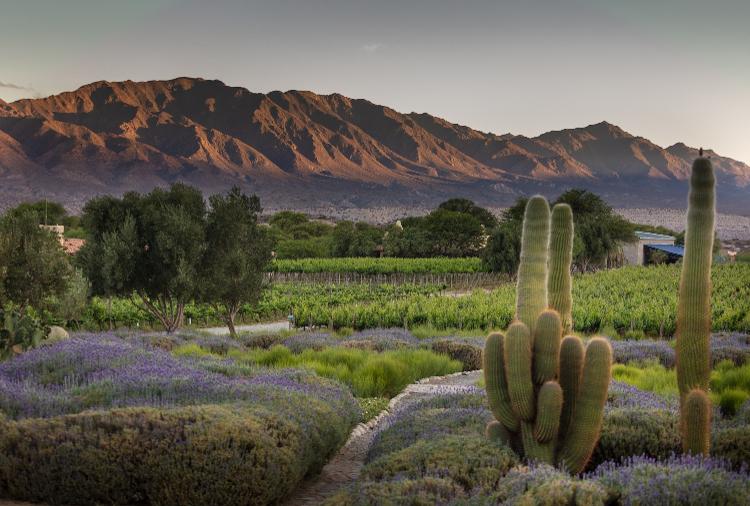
(300, 149)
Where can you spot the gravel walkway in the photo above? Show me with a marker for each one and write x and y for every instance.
(346, 465)
(255, 328)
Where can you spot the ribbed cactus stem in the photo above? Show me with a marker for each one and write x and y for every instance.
(694, 305)
(493, 360)
(583, 431)
(517, 348)
(571, 365)
(559, 284)
(693, 350)
(531, 290)
(696, 423)
(549, 407)
(533, 450)
(547, 334)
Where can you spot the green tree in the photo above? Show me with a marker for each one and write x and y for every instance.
(50, 213)
(454, 234)
(148, 245)
(355, 239)
(407, 242)
(238, 251)
(503, 249)
(33, 265)
(599, 230)
(467, 206)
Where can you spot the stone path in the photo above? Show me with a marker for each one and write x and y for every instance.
(253, 329)
(346, 465)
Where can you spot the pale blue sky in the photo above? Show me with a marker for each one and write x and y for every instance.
(669, 70)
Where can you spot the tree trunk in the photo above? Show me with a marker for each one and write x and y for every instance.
(230, 316)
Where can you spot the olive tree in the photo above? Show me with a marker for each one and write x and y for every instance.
(148, 247)
(237, 253)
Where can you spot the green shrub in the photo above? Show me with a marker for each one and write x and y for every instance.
(730, 401)
(423, 422)
(469, 460)
(469, 355)
(211, 454)
(732, 444)
(420, 492)
(542, 485)
(367, 373)
(651, 377)
(637, 431)
(372, 406)
(731, 384)
(634, 334)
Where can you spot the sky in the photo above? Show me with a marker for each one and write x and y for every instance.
(667, 70)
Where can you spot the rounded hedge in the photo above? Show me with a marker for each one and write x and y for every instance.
(732, 444)
(468, 354)
(635, 431)
(681, 480)
(471, 461)
(232, 454)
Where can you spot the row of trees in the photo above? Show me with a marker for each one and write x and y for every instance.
(166, 248)
(456, 228)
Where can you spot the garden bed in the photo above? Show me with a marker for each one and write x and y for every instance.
(434, 451)
(99, 419)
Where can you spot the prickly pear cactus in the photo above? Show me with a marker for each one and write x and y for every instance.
(18, 332)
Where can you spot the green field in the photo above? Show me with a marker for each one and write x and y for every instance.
(628, 299)
(380, 265)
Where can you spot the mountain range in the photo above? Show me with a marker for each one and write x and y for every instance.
(298, 149)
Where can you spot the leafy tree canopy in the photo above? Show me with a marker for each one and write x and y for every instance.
(467, 206)
(33, 265)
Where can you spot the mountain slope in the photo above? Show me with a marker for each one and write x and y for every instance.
(299, 148)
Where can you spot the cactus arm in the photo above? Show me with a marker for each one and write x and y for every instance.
(493, 360)
(583, 431)
(531, 290)
(549, 407)
(696, 423)
(571, 364)
(518, 371)
(547, 335)
(559, 284)
(534, 451)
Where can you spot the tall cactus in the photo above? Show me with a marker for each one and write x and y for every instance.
(693, 349)
(547, 393)
(531, 290)
(559, 286)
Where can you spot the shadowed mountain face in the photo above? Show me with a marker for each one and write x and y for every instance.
(300, 149)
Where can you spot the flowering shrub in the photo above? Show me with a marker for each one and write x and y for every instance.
(433, 451)
(732, 444)
(637, 431)
(97, 419)
(429, 419)
(683, 480)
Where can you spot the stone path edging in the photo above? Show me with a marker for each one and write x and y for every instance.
(346, 465)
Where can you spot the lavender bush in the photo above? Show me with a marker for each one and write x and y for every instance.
(102, 419)
(679, 480)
